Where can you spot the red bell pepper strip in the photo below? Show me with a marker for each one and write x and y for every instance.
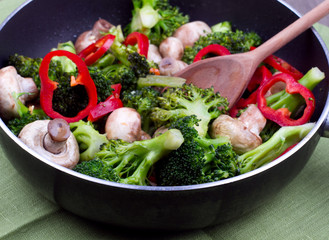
(141, 40)
(48, 86)
(212, 48)
(281, 65)
(96, 50)
(110, 104)
(261, 75)
(282, 116)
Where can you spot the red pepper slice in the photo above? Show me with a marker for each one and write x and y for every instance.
(282, 116)
(261, 75)
(282, 65)
(212, 48)
(96, 50)
(48, 86)
(141, 40)
(110, 104)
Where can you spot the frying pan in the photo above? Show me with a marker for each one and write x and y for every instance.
(37, 26)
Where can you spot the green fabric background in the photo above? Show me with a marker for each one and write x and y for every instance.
(300, 211)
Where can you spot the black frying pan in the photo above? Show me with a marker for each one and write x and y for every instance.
(39, 25)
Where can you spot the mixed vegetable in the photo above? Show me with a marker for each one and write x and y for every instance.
(109, 106)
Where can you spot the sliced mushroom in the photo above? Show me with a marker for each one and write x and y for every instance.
(124, 123)
(172, 47)
(91, 36)
(190, 32)
(242, 132)
(169, 66)
(154, 54)
(53, 140)
(11, 82)
(253, 119)
(101, 26)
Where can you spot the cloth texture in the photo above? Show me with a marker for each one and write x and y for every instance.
(300, 211)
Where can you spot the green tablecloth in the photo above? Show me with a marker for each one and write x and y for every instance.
(300, 211)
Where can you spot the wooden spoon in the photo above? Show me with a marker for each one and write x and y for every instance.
(231, 74)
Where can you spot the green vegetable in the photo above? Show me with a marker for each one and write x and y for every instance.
(222, 27)
(130, 163)
(26, 67)
(157, 19)
(293, 102)
(235, 41)
(160, 81)
(88, 138)
(26, 116)
(102, 82)
(274, 147)
(197, 160)
(67, 64)
(143, 100)
(189, 100)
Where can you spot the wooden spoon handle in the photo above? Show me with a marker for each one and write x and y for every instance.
(292, 31)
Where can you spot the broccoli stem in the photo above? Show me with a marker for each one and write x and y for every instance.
(149, 17)
(155, 149)
(274, 147)
(222, 27)
(283, 99)
(160, 81)
(132, 162)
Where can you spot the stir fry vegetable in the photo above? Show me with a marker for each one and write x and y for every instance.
(134, 123)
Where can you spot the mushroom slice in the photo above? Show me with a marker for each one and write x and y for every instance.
(41, 136)
(91, 36)
(190, 32)
(253, 119)
(11, 82)
(154, 54)
(241, 138)
(172, 47)
(169, 66)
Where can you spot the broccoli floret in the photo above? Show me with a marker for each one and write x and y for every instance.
(139, 64)
(293, 102)
(26, 115)
(17, 124)
(102, 82)
(274, 147)
(67, 100)
(143, 100)
(130, 163)
(197, 160)
(189, 100)
(88, 138)
(96, 168)
(157, 19)
(235, 41)
(26, 67)
(127, 74)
